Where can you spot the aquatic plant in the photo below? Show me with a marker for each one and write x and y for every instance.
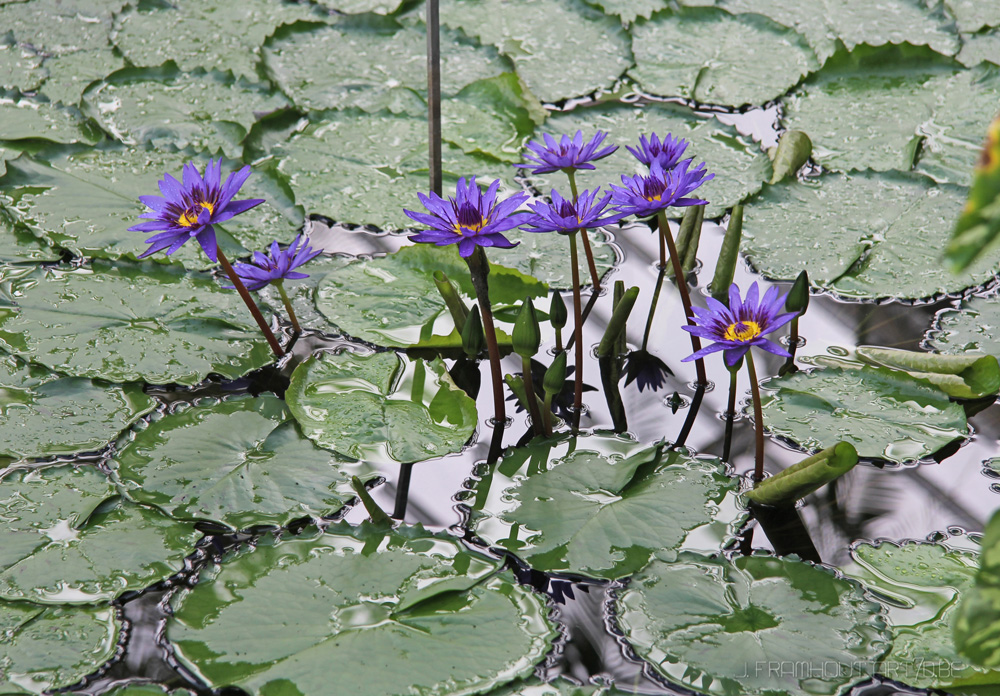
(276, 267)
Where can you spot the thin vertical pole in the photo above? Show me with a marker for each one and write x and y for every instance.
(434, 95)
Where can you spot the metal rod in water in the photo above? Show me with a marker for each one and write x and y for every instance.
(434, 96)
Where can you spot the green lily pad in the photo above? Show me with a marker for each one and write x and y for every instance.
(380, 407)
(20, 68)
(18, 246)
(968, 328)
(125, 548)
(207, 112)
(46, 648)
(393, 301)
(553, 62)
(726, 627)
(217, 35)
(128, 323)
(629, 10)
(60, 27)
(603, 506)
(86, 200)
(68, 76)
(241, 462)
(740, 167)
(45, 414)
(363, 168)
(381, 7)
(371, 63)
(359, 596)
(971, 15)
(560, 687)
(977, 48)
(713, 57)
(23, 118)
(923, 583)
(39, 505)
(885, 414)
(884, 240)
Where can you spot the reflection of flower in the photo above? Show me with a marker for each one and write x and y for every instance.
(741, 325)
(565, 217)
(567, 154)
(281, 264)
(470, 219)
(645, 195)
(667, 152)
(189, 209)
(646, 370)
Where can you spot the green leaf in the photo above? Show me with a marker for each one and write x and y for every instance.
(722, 627)
(382, 7)
(129, 322)
(884, 238)
(794, 150)
(389, 301)
(222, 34)
(702, 54)
(967, 329)
(240, 462)
(22, 118)
(885, 414)
(978, 227)
(553, 62)
(46, 648)
(46, 414)
(559, 687)
(359, 596)
(163, 107)
(977, 48)
(629, 10)
(373, 408)
(18, 246)
(602, 506)
(805, 477)
(69, 75)
(739, 166)
(972, 15)
(60, 27)
(959, 376)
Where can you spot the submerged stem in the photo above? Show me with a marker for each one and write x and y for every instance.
(683, 289)
(479, 269)
(251, 305)
(758, 422)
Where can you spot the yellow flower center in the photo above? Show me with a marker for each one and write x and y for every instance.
(742, 331)
(472, 229)
(190, 216)
(653, 198)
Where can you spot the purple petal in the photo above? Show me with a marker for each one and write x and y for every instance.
(465, 247)
(772, 347)
(207, 240)
(154, 226)
(714, 348)
(733, 355)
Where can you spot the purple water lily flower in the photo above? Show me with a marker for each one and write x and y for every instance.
(279, 265)
(567, 154)
(189, 209)
(667, 152)
(741, 325)
(470, 219)
(565, 217)
(645, 195)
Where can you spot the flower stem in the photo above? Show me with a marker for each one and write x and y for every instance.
(652, 306)
(529, 390)
(683, 289)
(479, 268)
(288, 306)
(547, 415)
(251, 305)
(758, 421)
(730, 415)
(595, 278)
(577, 334)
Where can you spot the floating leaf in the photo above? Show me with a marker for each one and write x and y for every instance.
(20, 68)
(208, 112)
(976, 620)
(794, 150)
(46, 648)
(22, 118)
(972, 15)
(60, 27)
(392, 301)
(721, 627)
(553, 62)
(382, 7)
(804, 477)
(217, 35)
(739, 166)
(602, 506)
(127, 323)
(240, 462)
(20, 246)
(960, 377)
(885, 414)
(884, 239)
(321, 606)
(713, 57)
(977, 48)
(629, 10)
(45, 414)
(68, 76)
(381, 408)
(969, 328)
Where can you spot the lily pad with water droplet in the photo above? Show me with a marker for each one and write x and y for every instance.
(884, 240)
(241, 462)
(739, 165)
(886, 414)
(554, 63)
(44, 414)
(128, 323)
(725, 627)
(323, 605)
(380, 407)
(546, 256)
(629, 10)
(559, 687)
(969, 328)
(972, 15)
(22, 118)
(46, 648)
(603, 506)
(19, 246)
(713, 57)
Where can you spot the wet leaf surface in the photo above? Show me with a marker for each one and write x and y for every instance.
(968, 328)
(22, 118)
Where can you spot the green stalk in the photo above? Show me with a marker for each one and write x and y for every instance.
(577, 334)
(547, 415)
(730, 415)
(529, 388)
(479, 269)
(596, 279)
(758, 421)
(652, 305)
(683, 289)
(251, 305)
(288, 306)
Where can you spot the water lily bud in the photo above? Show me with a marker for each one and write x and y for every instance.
(798, 296)
(555, 376)
(473, 339)
(557, 311)
(527, 336)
